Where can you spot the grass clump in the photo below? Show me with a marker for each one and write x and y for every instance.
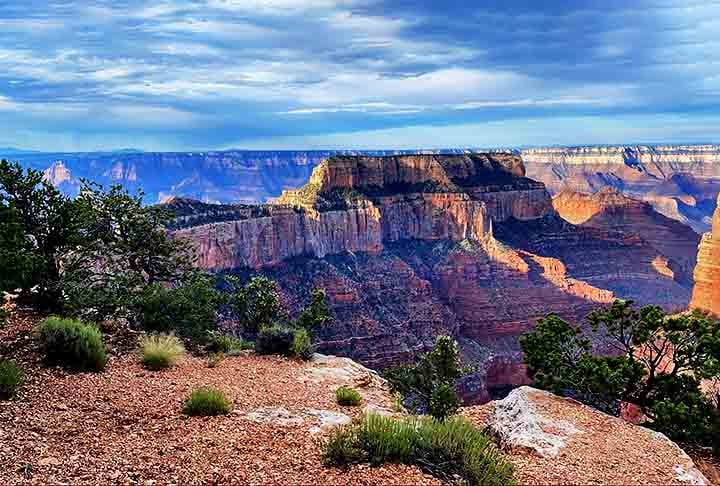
(12, 378)
(347, 397)
(302, 344)
(206, 401)
(214, 360)
(71, 343)
(161, 351)
(227, 345)
(446, 449)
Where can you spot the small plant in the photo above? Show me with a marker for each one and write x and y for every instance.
(275, 339)
(347, 397)
(215, 359)
(71, 343)
(3, 317)
(12, 378)
(206, 401)
(228, 345)
(302, 344)
(161, 351)
(446, 449)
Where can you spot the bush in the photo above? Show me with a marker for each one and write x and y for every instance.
(442, 448)
(429, 385)
(70, 343)
(188, 309)
(347, 397)
(161, 351)
(229, 345)
(275, 339)
(302, 344)
(206, 401)
(12, 378)
(659, 363)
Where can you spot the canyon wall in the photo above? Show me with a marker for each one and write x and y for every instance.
(706, 295)
(681, 182)
(408, 247)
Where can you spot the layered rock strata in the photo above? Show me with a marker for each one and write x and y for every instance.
(609, 209)
(681, 182)
(411, 247)
(706, 294)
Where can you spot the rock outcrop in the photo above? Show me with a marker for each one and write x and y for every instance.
(681, 182)
(409, 247)
(609, 209)
(553, 440)
(706, 294)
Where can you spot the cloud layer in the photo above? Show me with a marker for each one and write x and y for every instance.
(220, 73)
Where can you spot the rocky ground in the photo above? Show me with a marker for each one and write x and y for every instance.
(125, 425)
(553, 440)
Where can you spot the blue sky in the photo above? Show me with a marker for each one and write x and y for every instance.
(204, 74)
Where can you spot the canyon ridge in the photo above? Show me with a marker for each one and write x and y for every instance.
(408, 247)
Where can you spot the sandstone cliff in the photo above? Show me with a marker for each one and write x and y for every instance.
(413, 246)
(706, 295)
(680, 181)
(609, 209)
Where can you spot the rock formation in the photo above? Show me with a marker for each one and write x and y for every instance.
(681, 182)
(706, 295)
(553, 440)
(409, 247)
(609, 209)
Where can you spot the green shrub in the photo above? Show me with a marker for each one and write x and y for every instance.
(302, 344)
(428, 386)
(442, 448)
(161, 351)
(229, 345)
(190, 309)
(275, 339)
(12, 378)
(347, 397)
(70, 343)
(206, 401)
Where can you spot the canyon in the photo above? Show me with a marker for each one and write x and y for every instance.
(408, 247)
(706, 295)
(680, 181)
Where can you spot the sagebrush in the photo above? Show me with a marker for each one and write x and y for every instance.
(72, 343)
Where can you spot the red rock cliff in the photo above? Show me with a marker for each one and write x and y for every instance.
(706, 295)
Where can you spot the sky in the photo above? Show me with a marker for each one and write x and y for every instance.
(301, 74)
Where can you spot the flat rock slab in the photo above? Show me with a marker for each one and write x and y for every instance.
(554, 440)
(321, 420)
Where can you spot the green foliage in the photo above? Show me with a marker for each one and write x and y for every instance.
(657, 363)
(71, 343)
(347, 397)
(316, 314)
(12, 378)
(302, 344)
(275, 339)
(3, 317)
(442, 448)
(189, 309)
(161, 351)
(38, 227)
(229, 345)
(257, 304)
(125, 249)
(429, 385)
(214, 360)
(206, 401)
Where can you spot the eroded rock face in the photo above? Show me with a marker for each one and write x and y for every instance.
(706, 294)
(681, 182)
(609, 209)
(458, 245)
